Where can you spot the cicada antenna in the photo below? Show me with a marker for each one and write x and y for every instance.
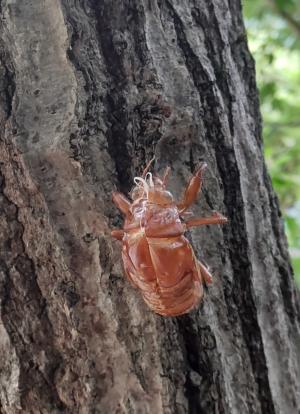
(166, 175)
(147, 167)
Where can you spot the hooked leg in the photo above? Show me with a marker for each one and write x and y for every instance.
(117, 234)
(121, 202)
(205, 275)
(192, 189)
(215, 218)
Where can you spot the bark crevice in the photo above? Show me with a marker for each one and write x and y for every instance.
(242, 292)
(21, 295)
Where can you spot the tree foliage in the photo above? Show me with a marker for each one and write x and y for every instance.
(273, 28)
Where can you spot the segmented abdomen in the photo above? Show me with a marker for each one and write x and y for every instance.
(165, 270)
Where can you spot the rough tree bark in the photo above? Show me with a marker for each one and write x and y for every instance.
(86, 90)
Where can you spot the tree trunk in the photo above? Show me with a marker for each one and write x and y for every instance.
(90, 91)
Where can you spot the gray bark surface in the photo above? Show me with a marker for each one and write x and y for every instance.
(90, 91)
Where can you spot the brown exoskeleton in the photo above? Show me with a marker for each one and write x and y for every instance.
(157, 258)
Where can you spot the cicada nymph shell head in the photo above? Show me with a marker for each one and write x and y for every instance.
(151, 188)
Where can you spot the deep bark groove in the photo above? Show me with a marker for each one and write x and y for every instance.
(242, 293)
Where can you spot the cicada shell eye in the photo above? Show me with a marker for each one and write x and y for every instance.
(161, 197)
(167, 197)
(136, 192)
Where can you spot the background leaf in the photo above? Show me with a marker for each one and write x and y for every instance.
(274, 40)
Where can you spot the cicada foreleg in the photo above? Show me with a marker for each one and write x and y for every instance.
(121, 202)
(124, 205)
(117, 234)
(192, 189)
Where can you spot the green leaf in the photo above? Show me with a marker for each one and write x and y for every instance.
(296, 267)
(268, 89)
